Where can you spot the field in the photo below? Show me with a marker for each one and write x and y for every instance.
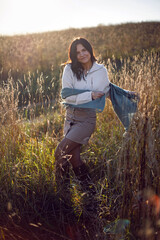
(125, 169)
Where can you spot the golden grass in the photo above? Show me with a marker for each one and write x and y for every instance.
(125, 170)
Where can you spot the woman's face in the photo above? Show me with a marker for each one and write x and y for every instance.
(83, 56)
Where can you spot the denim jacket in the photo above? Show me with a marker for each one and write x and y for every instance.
(124, 103)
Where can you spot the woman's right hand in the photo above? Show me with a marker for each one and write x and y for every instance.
(96, 95)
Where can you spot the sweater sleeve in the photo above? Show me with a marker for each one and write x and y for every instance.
(68, 82)
(106, 83)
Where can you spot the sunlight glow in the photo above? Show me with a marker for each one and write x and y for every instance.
(27, 16)
(32, 16)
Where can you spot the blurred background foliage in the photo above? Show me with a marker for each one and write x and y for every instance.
(34, 61)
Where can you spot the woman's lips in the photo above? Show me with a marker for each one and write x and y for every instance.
(84, 58)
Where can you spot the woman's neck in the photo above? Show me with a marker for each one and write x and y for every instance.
(87, 66)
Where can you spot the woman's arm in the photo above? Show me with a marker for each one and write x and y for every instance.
(96, 95)
(67, 82)
(107, 84)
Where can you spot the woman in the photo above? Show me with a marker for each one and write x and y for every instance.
(82, 73)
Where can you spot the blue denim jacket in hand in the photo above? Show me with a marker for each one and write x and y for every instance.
(124, 103)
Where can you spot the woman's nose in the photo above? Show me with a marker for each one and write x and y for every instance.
(81, 54)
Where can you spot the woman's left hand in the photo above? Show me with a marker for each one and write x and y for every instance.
(96, 95)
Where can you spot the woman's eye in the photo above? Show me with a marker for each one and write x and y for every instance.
(82, 51)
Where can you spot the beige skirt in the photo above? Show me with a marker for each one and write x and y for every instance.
(79, 124)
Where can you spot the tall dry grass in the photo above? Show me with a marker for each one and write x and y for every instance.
(125, 170)
(133, 171)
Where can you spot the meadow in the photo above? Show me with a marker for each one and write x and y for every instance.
(125, 169)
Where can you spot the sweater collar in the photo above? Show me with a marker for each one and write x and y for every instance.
(96, 67)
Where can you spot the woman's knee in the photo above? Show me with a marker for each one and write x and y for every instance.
(61, 149)
(64, 148)
(58, 152)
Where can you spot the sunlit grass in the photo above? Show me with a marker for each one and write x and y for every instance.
(124, 169)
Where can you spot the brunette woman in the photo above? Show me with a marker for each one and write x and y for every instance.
(90, 79)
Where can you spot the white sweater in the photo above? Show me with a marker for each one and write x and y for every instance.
(96, 80)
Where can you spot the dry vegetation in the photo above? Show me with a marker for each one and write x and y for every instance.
(125, 170)
(48, 50)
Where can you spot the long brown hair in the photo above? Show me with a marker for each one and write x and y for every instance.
(76, 66)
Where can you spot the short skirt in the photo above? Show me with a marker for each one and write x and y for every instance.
(79, 124)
